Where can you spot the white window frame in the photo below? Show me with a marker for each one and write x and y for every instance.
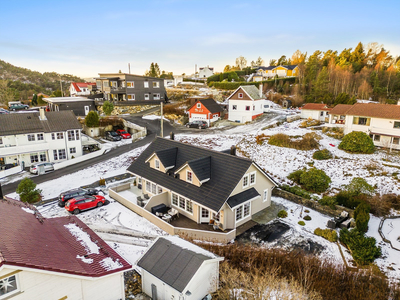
(72, 150)
(42, 156)
(146, 84)
(62, 154)
(157, 164)
(255, 178)
(131, 83)
(156, 96)
(17, 290)
(245, 181)
(265, 195)
(60, 135)
(132, 97)
(40, 136)
(31, 137)
(34, 158)
(156, 84)
(240, 95)
(247, 108)
(240, 211)
(187, 204)
(198, 105)
(146, 96)
(174, 197)
(234, 107)
(1, 141)
(189, 174)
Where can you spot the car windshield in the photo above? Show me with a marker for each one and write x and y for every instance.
(123, 132)
(113, 133)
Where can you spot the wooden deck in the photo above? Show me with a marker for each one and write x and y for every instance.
(184, 222)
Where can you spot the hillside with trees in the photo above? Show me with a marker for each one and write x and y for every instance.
(21, 83)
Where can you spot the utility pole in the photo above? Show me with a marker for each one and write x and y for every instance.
(62, 94)
(162, 129)
(129, 67)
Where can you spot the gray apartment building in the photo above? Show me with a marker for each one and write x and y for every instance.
(132, 89)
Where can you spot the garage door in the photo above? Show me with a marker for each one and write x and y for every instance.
(198, 117)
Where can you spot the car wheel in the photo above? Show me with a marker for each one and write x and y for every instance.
(60, 204)
(99, 204)
(199, 127)
(76, 211)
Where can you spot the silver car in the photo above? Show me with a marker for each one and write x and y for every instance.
(47, 167)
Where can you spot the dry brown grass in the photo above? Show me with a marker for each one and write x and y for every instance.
(308, 142)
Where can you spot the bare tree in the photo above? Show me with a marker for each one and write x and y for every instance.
(241, 62)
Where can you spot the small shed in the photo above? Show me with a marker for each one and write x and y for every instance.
(173, 268)
(79, 105)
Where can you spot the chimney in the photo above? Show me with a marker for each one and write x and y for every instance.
(260, 89)
(172, 136)
(233, 150)
(42, 114)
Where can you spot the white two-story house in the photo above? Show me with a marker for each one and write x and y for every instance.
(245, 104)
(29, 138)
(380, 121)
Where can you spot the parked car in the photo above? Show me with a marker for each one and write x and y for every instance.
(18, 106)
(78, 204)
(65, 196)
(4, 111)
(112, 136)
(34, 169)
(197, 124)
(123, 134)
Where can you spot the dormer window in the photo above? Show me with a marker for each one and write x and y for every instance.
(157, 164)
(240, 95)
(189, 176)
(198, 105)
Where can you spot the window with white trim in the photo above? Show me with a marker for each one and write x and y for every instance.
(198, 105)
(246, 210)
(395, 141)
(153, 188)
(77, 134)
(60, 135)
(131, 97)
(156, 84)
(239, 213)
(156, 96)
(234, 107)
(146, 84)
(175, 199)
(62, 154)
(130, 84)
(40, 137)
(148, 186)
(159, 190)
(265, 195)
(240, 95)
(55, 155)
(189, 206)
(247, 107)
(43, 156)
(8, 286)
(245, 181)
(72, 150)
(31, 137)
(53, 136)
(1, 141)
(182, 203)
(146, 97)
(252, 178)
(34, 158)
(189, 176)
(242, 211)
(157, 164)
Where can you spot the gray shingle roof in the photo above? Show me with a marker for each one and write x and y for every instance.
(172, 264)
(226, 171)
(23, 123)
(201, 167)
(242, 197)
(167, 156)
(252, 91)
(211, 105)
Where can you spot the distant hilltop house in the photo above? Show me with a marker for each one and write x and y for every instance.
(129, 89)
(263, 73)
(79, 105)
(316, 111)
(173, 268)
(206, 72)
(81, 88)
(42, 136)
(245, 104)
(205, 110)
(56, 258)
(380, 121)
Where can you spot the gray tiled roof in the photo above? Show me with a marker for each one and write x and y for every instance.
(242, 197)
(172, 264)
(211, 105)
(252, 91)
(167, 156)
(226, 171)
(23, 123)
(201, 167)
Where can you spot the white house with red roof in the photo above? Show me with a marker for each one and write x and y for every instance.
(81, 88)
(316, 111)
(245, 104)
(57, 258)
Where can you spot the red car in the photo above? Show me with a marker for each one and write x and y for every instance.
(124, 134)
(77, 204)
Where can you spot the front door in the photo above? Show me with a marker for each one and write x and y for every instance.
(205, 215)
(86, 110)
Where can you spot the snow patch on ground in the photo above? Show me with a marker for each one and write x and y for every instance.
(83, 238)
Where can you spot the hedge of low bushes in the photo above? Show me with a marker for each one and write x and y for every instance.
(328, 234)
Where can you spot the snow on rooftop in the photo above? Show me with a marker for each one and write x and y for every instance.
(28, 210)
(189, 246)
(109, 264)
(84, 259)
(83, 238)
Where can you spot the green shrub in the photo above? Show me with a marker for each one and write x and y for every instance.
(295, 176)
(296, 190)
(307, 218)
(328, 201)
(308, 142)
(329, 234)
(358, 186)
(108, 107)
(27, 191)
(306, 211)
(363, 249)
(282, 214)
(357, 142)
(347, 199)
(92, 119)
(315, 180)
(322, 154)
(302, 223)
(361, 215)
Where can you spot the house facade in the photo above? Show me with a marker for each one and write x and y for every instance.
(264, 73)
(380, 121)
(206, 72)
(79, 105)
(131, 89)
(245, 104)
(203, 186)
(57, 258)
(206, 110)
(315, 111)
(81, 88)
(187, 272)
(28, 138)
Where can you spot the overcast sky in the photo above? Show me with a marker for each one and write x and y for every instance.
(85, 38)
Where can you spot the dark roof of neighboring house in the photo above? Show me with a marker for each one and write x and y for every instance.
(289, 67)
(31, 241)
(201, 167)
(226, 171)
(316, 106)
(210, 104)
(242, 197)
(23, 123)
(172, 263)
(340, 109)
(266, 68)
(376, 110)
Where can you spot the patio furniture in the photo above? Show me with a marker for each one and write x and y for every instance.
(173, 213)
(162, 208)
(146, 196)
(167, 218)
(139, 198)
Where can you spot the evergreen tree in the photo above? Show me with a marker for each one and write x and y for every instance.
(27, 191)
(92, 119)
(34, 100)
(108, 107)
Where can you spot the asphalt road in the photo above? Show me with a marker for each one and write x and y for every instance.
(153, 130)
